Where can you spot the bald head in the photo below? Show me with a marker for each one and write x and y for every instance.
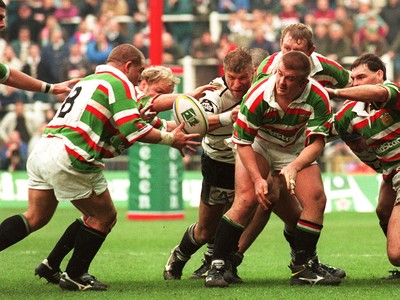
(124, 53)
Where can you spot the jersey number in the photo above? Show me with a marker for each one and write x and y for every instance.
(69, 102)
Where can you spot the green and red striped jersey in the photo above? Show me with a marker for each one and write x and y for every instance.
(260, 115)
(379, 127)
(326, 71)
(99, 119)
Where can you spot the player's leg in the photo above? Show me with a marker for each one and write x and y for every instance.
(386, 199)
(195, 236)
(234, 221)
(41, 207)
(393, 237)
(101, 217)
(308, 228)
(49, 268)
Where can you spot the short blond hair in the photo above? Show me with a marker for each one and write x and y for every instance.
(156, 74)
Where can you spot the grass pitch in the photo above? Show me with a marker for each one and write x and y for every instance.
(133, 257)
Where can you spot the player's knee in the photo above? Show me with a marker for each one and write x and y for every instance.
(394, 257)
(37, 221)
(383, 213)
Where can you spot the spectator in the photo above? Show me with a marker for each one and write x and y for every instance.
(66, 11)
(182, 32)
(140, 41)
(98, 49)
(172, 50)
(9, 95)
(114, 8)
(321, 14)
(11, 59)
(21, 45)
(343, 18)
(114, 34)
(75, 65)
(390, 13)
(240, 28)
(32, 61)
(289, 12)
(321, 38)
(231, 6)
(204, 47)
(20, 120)
(89, 7)
(83, 36)
(24, 19)
(340, 44)
(138, 9)
(13, 153)
(65, 14)
(43, 11)
(51, 24)
(259, 41)
(371, 37)
(53, 56)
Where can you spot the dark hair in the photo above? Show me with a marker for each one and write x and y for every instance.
(2, 4)
(123, 53)
(373, 62)
(297, 60)
(238, 60)
(298, 32)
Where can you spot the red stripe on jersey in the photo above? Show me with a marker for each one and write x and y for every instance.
(270, 61)
(259, 98)
(80, 157)
(348, 105)
(127, 119)
(124, 83)
(328, 61)
(393, 158)
(366, 122)
(244, 126)
(96, 113)
(318, 90)
(103, 89)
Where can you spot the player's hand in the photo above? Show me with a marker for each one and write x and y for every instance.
(145, 113)
(290, 175)
(235, 113)
(261, 191)
(184, 141)
(64, 87)
(200, 91)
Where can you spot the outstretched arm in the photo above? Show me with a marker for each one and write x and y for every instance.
(25, 82)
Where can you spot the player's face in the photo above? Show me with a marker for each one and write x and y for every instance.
(161, 87)
(290, 44)
(362, 75)
(238, 83)
(133, 73)
(2, 18)
(289, 83)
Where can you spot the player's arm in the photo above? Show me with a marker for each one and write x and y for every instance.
(25, 82)
(365, 93)
(227, 118)
(176, 139)
(165, 101)
(306, 157)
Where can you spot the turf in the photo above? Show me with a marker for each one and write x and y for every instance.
(133, 257)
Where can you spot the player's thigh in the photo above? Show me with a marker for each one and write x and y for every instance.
(99, 210)
(209, 218)
(41, 207)
(386, 199)
(309, 188)
(393, 237)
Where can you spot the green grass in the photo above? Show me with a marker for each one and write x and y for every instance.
(133, 257)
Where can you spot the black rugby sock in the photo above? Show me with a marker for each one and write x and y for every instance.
(64, 245)
(226, 238)
(188, 245)
(88, 242)
(13, 230)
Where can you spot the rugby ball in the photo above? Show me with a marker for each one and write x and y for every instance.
(190, 111)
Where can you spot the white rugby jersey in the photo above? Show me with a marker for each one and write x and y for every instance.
(216, 102)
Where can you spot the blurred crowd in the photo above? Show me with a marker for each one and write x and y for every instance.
(56, 40)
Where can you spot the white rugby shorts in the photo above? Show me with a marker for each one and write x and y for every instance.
(49, 168)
